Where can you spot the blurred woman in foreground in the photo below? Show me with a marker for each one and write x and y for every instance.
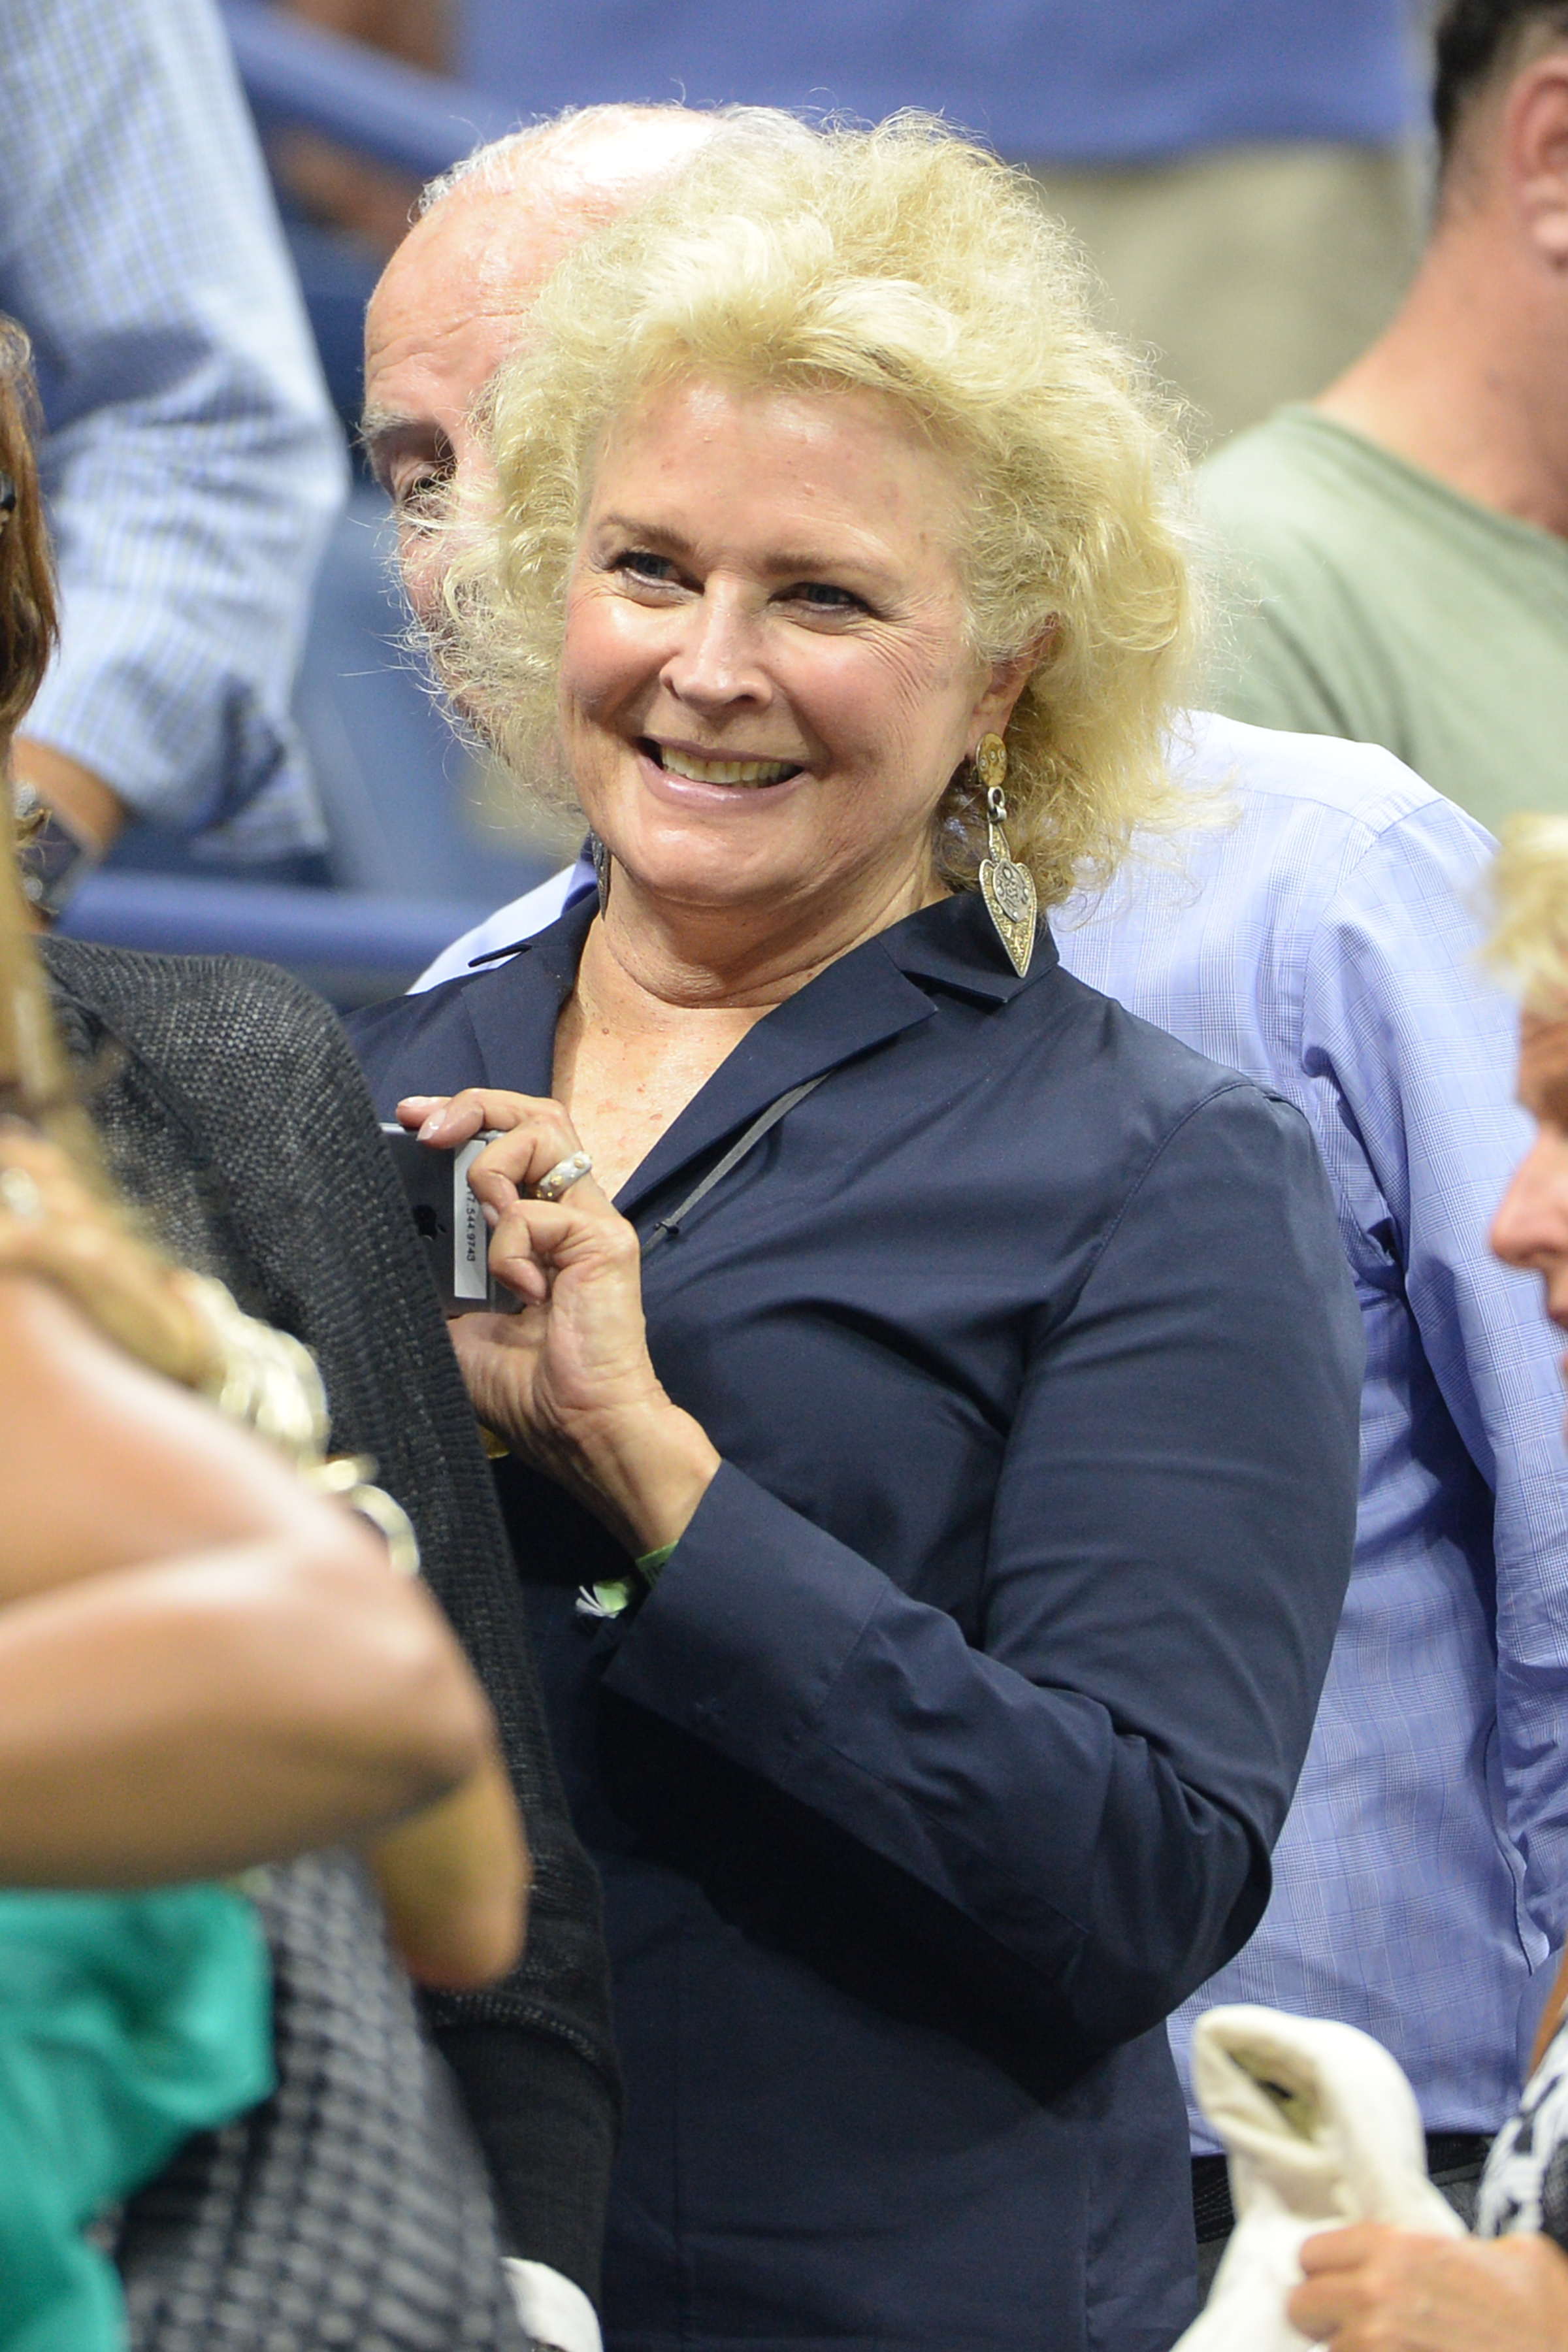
(206, 1662)
(1373, 2289)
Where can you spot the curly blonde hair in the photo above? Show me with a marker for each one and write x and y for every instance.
(907, 261)
(1529, 943)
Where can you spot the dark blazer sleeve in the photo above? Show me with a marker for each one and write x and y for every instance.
(1092, 1792)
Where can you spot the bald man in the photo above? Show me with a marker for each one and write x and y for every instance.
(453, 300)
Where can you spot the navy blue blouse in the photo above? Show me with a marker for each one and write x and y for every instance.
(947, 1756)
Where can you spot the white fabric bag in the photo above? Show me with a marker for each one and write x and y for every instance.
(1321, 2130)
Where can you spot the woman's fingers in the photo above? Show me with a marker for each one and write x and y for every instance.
(1342, 2281)
(536, 1243)
(580, 1229)
(532, 1136)
(447, 1120)
(414, 1110)
(579, 1347)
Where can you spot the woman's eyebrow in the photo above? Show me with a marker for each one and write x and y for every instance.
(651, 534)
(814, 563)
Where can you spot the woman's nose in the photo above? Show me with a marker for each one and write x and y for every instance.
(718, 661)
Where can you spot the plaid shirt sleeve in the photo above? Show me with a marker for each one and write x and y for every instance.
(1424, 1049)
(1325, 937)
(190, 458)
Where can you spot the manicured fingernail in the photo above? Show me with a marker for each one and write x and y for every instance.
(490, 1215)
(430, 1126)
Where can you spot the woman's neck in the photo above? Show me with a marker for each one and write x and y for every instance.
(666, 993)
(740, 959)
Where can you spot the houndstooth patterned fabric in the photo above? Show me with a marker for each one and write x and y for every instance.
(1525, 2184)
(349, 2212)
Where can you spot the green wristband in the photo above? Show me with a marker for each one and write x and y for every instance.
(619, 1598)
(652, 1564)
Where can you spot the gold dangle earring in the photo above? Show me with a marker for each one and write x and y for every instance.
(1008, 887)
(601, 857)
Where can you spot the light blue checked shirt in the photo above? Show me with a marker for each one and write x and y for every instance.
(191, 461)
(1322, 936)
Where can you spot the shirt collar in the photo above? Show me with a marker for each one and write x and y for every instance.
(856, 1003)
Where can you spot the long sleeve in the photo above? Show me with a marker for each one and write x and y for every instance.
(191, 461)
(1402, 1027)
(1092, 1791)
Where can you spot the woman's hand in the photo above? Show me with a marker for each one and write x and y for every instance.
(567, 1380)
(1373, 2289)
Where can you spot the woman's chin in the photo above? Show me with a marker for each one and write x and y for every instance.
(699, 876)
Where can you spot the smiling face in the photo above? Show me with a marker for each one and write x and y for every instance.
(766, 684)
(1531, 1228)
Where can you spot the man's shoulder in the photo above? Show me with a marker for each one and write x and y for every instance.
(1357, 792)
(1296, 473)
(1321, 514)
(1325, 538)
(520, 918)
(1158, 1077)
(1306, 848)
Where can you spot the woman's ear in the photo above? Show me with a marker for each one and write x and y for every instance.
(1006, 682)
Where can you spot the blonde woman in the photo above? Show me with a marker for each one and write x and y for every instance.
(933, 1398)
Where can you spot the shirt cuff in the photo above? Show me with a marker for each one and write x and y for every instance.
(551, 2309)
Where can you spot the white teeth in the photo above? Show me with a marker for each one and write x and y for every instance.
(725, 772)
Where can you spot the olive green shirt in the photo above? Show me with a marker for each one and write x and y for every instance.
(1392, 610)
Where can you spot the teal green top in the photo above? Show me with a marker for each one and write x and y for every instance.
(126, 2022)
(1394, 610)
